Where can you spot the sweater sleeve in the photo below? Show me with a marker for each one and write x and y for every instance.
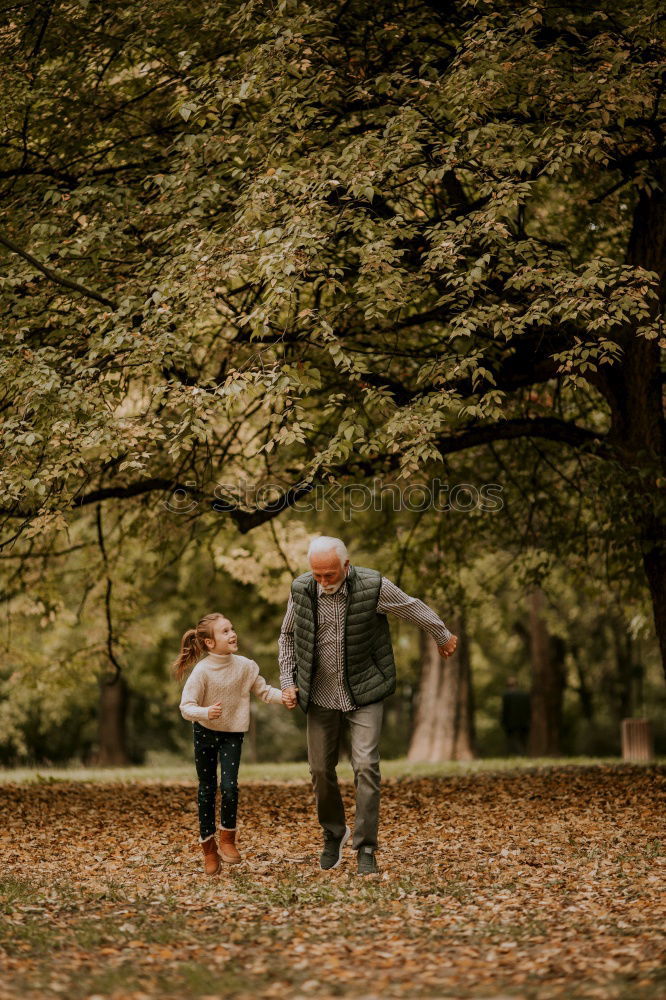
(263, 690)
(193, 694)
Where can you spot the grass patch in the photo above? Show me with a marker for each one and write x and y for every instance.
(16, 891)
(31, 935)
(107, 980)
(176, 770)
(198, 979)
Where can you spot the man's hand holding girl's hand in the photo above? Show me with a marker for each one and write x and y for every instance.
(449, 648)
(289, 699)
(215, 711)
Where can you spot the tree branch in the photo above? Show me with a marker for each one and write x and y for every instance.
(551, 428)
(52, 275)
(243, 519)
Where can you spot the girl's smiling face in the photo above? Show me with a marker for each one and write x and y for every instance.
(225, 640)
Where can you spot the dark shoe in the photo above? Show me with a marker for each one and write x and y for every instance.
(331, 856)
(366, 861)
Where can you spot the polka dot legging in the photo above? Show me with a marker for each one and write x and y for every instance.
(209, 744)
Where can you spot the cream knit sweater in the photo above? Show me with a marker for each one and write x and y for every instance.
(228, 678)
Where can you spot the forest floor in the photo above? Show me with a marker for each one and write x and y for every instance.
(518, 883)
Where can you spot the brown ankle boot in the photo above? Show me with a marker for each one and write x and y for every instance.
(211, 857)
(228, 847)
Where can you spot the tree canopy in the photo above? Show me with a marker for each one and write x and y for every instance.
(249, 244)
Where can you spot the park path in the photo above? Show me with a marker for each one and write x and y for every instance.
(534, 884)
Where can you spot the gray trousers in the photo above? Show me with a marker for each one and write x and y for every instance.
(324, 729)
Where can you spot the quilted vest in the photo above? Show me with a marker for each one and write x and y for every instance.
(368, 663)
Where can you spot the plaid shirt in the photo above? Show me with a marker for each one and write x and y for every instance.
(328, 689)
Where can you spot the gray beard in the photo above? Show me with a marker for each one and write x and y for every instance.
(331, 589)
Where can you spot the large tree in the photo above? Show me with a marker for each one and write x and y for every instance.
(273, 241)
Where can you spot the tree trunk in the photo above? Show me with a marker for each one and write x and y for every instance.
(624, 701)
(635, 394)
(654, 562)
(444, 725)
(467, 731)
(583, 690)
(427, 703)
(547, 683)
(458, 681)
(113, 698)
(250, 741)
(629, 675)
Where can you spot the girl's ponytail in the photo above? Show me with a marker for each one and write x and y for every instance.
(192, 645)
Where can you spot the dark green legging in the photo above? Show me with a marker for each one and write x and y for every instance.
(209, 745)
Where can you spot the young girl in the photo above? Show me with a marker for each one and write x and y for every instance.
(216, 699)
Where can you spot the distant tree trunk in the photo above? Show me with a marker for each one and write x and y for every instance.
(113, 698)
(634, 391)
(444, 724)
(655, 568)
(629, 673)
(399, 709)
(427, 703)
(583, 691)
(547, 682)
(250, 741)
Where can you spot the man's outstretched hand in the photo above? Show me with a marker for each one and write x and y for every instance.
(449, 648)
(289, 699)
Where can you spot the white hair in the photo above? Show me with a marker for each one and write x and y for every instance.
(324, 543)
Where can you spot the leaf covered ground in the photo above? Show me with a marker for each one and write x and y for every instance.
(532, 883)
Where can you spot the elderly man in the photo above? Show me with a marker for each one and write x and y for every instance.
(336, 662)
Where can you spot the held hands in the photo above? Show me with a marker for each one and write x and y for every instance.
(449, 648)
(215, 711)
(289, 699)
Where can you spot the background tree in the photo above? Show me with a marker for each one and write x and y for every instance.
(278, 243)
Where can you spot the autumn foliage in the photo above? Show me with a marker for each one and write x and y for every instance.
(541, 883)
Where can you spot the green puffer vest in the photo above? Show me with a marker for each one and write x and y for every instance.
(369, 666)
